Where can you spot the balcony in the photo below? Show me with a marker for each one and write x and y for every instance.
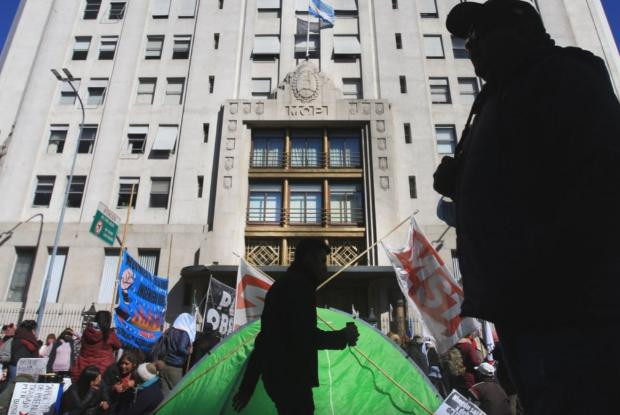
(285, 160)
(305, 217)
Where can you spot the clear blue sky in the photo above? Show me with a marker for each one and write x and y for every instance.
(9, 7)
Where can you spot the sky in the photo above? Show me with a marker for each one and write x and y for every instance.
(9, 7)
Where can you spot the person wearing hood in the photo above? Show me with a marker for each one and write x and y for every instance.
(174, 348)
(285, 352)
(24, 345)
(542, 152)
(148, 394)
(98, 345)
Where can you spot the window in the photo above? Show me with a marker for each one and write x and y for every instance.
(107, 49)
(91, 11)
(407, 128)
(154, 46)
(352, 88)
(56, 274)
(440, 90)
(58, 136)
(146, 91)
(216, 40)
(428, 8)
(469, 89)
(117, 10)
(160, 190)
(267, 149)
(413, 189)
(458, 48)
(446, 139)
(310, 43)
(211, 83)
(76, 191)
(433, 47)
(43, 191)
(136, 138)
(261, 87)
(205, 132)
(174, 91)
(80, 48)
(165, 141)
(306, 149)
(67, 94)
(399, 40)
(347, 45)
(180, 49)
(403, 84)
(345, 204)
(265, 203)
(106, 287)
(187, 8)
(160, 9)
(268, 4)
(344, 151)
(201, 185)
(395, 4)
(266, 45)
(349, 6)
(96, 91)
(149, 259)
(306, 203)
(21, 274)
(125, 186)
(86, 141)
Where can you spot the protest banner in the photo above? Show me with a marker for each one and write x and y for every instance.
(428, 284)
(142, 299)
(457, 404)
(220, 308)
(252, 286)
(32, 366)
(35, 399)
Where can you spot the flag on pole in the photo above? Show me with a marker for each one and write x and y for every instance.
(426, 281)
(487, 334)
(323, 10)
(252, 286)
(304, 26)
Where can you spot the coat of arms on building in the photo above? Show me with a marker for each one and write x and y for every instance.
(305, 83)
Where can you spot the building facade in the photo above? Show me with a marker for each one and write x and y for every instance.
(226, 128)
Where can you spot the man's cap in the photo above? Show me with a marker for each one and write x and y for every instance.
(492, 13)
(485, 369)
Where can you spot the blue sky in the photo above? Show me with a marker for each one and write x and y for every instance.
(9, 7)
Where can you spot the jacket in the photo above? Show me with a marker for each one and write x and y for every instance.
(95, 351)
(73, 404)
(471, 359)
(145, 401)
(110, 377)
(24, 345)
(52, 355)
(177, 344)
(534, 189)
(491, 398)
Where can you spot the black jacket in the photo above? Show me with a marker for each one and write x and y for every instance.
(74, 404)
(145, 400)
(536, 195)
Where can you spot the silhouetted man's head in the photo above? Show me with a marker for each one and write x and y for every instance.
(499, 33)
(311, 255)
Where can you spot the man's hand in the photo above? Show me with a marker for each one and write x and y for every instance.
(104, 405)
(351, 333)
(241, 399)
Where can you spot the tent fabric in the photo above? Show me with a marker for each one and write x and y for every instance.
(350, 384)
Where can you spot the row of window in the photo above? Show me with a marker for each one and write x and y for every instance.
(433, 47)
(469, 89)
(116, 10)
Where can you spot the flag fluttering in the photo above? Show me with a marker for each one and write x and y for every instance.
(426, 281)
(323, 10)
(252, 286)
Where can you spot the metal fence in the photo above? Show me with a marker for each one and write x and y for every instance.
(58, 316)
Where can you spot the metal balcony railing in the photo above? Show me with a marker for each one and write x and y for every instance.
(346, 160)
(265, 216)
(301, 216)
(346, 216)
(268, 161)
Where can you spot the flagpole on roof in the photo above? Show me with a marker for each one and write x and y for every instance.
(308, 33)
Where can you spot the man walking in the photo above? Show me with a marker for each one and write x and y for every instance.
(534, 181)
(285, 351)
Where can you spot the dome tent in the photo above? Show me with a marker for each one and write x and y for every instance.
(376, 377)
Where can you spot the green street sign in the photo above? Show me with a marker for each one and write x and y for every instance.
(104, 225)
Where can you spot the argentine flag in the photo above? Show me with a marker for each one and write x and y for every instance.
(322, 10)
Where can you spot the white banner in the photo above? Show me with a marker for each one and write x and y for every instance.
(252, 287)
(32, 366)
(35, 398)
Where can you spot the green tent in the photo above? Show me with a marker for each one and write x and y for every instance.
(375, 377)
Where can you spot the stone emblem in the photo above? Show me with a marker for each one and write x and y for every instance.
(305, 83)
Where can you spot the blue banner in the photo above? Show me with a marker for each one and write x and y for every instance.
(142, 299)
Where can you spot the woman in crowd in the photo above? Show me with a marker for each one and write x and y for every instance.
(85, 397)
(99, 343)
(24, 345)
(148, 394)
(174, 348)
(45, 350)
(119, 380)
(62, 354)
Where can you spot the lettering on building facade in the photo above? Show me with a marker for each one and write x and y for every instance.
(305, 110)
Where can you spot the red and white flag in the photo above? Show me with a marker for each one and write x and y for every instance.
(426, 281)
(252, 286)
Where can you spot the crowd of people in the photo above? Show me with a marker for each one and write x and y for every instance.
(104, 377)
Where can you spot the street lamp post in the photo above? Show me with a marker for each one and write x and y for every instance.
(69, 79)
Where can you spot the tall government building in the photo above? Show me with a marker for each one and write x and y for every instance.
(234, 142)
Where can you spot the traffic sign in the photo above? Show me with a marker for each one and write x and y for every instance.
(105, 224)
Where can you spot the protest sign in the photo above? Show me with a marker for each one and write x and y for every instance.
(35, 398)
(32, 366)
(457, 404)
(142, 299)
(220, 308)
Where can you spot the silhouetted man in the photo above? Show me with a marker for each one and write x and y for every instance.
(535, 186)
(285, 351)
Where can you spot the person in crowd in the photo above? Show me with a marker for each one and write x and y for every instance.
(487, 393)
(395, 338)
(62, 355)
(148, 393)
(120, 380)
(415, 352)
(99, 344)
(286, 349)
(85, 397)
(7, 393)
(204, 343)
(541, 153)
(24, 345)
(8, 333)
(44, 351)
(174, 348)
(471, 359)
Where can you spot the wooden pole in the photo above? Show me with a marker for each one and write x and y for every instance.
(120, 255)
